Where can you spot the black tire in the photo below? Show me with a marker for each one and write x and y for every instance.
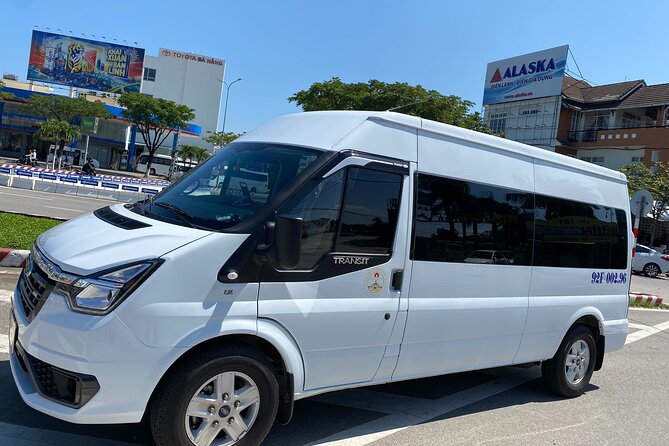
(651, 270)
(168, 409)
(554, 371)
(152, 171)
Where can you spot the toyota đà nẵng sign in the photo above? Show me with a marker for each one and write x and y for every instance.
(534, 75)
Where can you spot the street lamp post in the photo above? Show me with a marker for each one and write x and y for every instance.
(227, 96)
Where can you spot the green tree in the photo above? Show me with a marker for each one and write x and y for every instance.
(221, 139)
(65, 109)
(155, 118)
(55, 130)
(200, 154)
(185, 153)
(189, 153)
(378, 96)
(4, 95)
(655, 181)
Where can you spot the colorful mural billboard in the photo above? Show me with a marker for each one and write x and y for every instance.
(84, 63)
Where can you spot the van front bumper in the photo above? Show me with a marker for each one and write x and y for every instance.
(81, 368)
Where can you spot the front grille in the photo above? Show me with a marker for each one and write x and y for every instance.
(34, 288)
(43, 374)
(62, 386)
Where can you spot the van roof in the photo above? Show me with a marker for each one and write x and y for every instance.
(324, 129)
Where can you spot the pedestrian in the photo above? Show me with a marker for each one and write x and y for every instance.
(68, 161)
(89, 167)
(33, 157)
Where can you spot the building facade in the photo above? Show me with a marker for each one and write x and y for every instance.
(610, 125)
(616, 124)
(115, 139)
(188, 79)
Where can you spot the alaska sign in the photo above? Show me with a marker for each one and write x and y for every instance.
(532, 67)
(530, 76)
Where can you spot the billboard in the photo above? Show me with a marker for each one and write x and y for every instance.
(83, 63)
(534, 75)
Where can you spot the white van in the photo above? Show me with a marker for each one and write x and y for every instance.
(72, 156)
(212, 312)
(160, 164)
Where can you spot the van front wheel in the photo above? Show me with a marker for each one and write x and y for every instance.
(227, 396)
(570, 370)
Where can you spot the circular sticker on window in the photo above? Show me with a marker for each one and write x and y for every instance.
(376, 280)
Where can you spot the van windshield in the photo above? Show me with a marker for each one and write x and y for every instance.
(231, 186)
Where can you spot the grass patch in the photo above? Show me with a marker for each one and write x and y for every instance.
(662, 306)
(20, 231)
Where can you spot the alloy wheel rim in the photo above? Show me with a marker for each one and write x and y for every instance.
(223, 410)
(577, 362)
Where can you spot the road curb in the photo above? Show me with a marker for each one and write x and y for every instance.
(644, 298)
(13, 257)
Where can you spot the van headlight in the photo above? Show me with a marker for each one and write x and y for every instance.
(101, 293)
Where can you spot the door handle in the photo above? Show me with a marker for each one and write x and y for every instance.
(396, 282)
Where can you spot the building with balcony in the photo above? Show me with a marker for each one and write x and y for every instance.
(615, 124)
(610, 125)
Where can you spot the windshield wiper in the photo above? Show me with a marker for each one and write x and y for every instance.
(180, 213)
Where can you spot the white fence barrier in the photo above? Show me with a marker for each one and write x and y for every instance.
(124, 189)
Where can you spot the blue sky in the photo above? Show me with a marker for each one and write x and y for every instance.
(280, 47)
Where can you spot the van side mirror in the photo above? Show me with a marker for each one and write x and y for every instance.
(288, 240)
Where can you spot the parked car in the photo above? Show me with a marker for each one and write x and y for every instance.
(490, 256)
(649, 262)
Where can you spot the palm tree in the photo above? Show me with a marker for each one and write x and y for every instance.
(185, 153)
(188, 154)
(56, 130)
(200, 154)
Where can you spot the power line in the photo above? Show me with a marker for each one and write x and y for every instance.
(575, 63)
(580, 74)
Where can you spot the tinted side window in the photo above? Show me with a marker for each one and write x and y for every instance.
(571, 234)
(458, 221)
(642, 249)
(619, 250)
(369, 215)
(319, 209)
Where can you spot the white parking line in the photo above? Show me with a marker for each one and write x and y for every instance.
(4, 343)
(637, 326)
(32, 197)
(402, 419)
(371, 400)
(645, 332)
(4, 295)
(65, 209)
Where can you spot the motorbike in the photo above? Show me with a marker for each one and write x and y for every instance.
(25, 161)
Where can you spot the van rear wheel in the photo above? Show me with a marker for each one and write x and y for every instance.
(226, 396)
(570, 370)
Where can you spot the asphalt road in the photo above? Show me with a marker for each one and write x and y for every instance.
(626, 403)
(48, 204)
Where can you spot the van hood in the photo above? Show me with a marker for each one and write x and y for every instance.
(88, 244)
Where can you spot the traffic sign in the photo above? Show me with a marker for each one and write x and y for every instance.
(89, 125)
(641, 202)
